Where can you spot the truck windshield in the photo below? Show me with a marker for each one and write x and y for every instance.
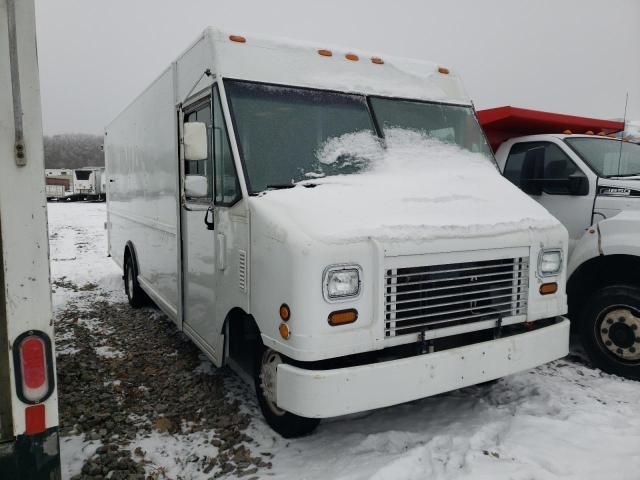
(607, 156)
(281, 130)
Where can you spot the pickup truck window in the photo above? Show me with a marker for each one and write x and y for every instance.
(556, 166)
(448, 123)
(606, 156)
(279, 129)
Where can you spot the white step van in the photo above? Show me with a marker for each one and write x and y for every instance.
(591, 183)
(331, 223)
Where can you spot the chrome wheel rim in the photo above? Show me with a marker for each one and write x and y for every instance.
(130, 282)
(619, 333)
(268, 373)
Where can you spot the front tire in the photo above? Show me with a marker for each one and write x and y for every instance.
(285, 423)
(136, 296)
(610, 330)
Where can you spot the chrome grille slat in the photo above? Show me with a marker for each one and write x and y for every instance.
(458, 302)
(425, 297)
(450, 270)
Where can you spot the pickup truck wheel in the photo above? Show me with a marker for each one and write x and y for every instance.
(610, 330)
(285, 423)
(136, 296)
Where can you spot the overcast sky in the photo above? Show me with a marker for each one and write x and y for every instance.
(570, 56)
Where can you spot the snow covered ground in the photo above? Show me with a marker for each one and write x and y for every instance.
(560, 421)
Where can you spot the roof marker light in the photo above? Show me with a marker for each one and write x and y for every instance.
(589, 132)
(567, 132)
(325, 53)
(352, 56)
(443, 70)
(377, 60)
(601, 133)
(237, 38)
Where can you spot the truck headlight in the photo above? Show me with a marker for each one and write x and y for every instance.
(341, 281)
(549, 262)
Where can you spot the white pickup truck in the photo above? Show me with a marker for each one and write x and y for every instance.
(589, 180)
(332, 224)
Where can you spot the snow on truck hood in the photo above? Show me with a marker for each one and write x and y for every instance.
(417, 188)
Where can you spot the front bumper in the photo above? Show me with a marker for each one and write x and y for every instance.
(330, 393)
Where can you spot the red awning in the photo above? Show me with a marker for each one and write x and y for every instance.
(503, 123)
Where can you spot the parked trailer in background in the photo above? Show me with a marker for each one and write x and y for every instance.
(88, 183)
(586, 176)
(252, 197)
(28, 396)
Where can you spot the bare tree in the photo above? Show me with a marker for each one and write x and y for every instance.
(73, 150)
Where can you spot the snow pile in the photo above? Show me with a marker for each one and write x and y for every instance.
(414, 188)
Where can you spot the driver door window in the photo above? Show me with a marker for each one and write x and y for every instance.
(556, 168)
(201, 112)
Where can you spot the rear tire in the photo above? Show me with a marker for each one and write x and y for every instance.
(610, 330)
(285, 423)
(136, 296)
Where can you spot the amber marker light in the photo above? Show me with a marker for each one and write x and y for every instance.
(284, 331)
(237, 38)
(589, 132)
(285, 312)
(567, 132)
(352, 56)
(343, 317)
(443, 70)
(377, 60)
(548, 288)
(325, 53)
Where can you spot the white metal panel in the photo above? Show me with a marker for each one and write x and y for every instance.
(23, 213)
(142, 172)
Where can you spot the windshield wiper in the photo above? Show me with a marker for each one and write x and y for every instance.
(280, 186)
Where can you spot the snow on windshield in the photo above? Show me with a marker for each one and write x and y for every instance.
(413, 187)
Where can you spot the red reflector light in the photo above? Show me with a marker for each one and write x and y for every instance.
(33, 367)
(34, 419)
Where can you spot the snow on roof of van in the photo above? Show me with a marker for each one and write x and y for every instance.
(291, 62)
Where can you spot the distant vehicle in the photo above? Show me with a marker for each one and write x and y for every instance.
(59, 184)
(591, 183)
(28, 396)
(88, 183)
(333, 297)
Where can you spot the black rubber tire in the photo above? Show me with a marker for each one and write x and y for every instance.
(591, 318)
(288, 424)
(136, 296)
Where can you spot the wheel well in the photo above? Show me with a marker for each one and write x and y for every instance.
(599, 272)
(242, 337)
(130, 251)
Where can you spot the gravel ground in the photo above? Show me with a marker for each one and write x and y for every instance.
(126, 374)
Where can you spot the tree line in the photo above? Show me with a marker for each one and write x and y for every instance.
(73, 150)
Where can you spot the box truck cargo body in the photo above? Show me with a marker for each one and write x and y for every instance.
(28, 395)
(331, 223)
(88, 183)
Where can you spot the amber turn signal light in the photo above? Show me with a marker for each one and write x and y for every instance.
(237, 38)
(285, 312)
(284, 331)
(343, 317)
(548, 288)
(443, 70)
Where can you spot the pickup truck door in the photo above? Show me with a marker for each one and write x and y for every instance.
(550, 182)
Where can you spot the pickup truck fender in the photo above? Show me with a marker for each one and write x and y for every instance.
(618, 235)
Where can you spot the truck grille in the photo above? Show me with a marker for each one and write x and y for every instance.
(429, 297)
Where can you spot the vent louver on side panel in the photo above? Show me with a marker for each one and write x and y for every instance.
(242, 270)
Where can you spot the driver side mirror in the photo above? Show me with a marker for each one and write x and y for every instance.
(195, 141)
(195, 186)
